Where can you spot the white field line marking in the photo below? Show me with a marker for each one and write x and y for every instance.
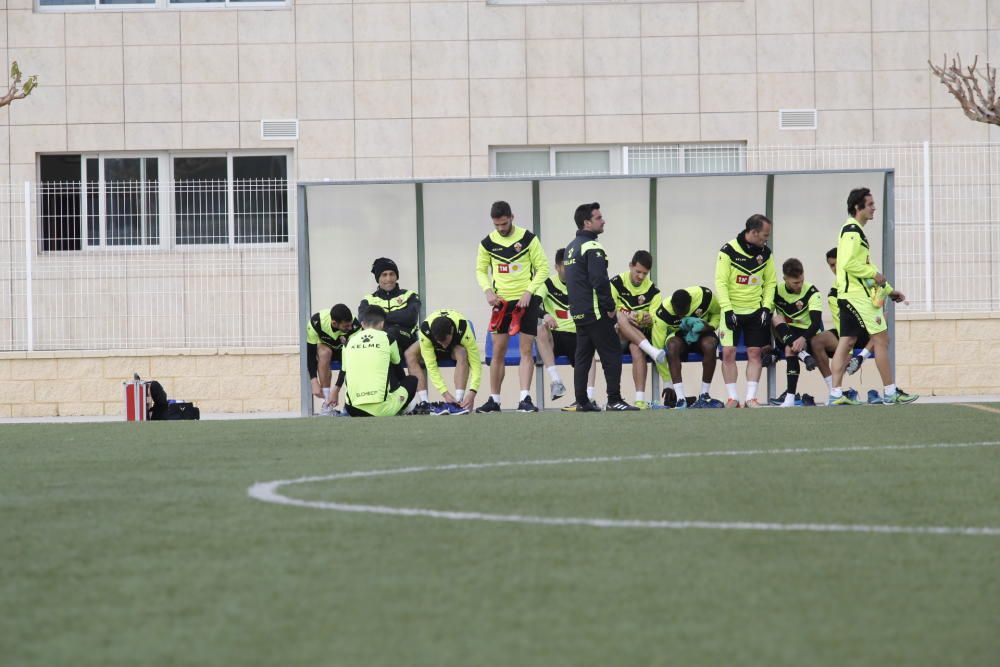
(984, 408)
(268, 492)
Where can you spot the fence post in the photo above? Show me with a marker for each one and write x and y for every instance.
(29, 313)
(928, 237)
(305, 305)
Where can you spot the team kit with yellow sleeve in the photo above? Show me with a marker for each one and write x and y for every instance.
(555, 303)
(803, 311)
(641, 300)
(433, 352)
(512, 265)
(668, 323)
(370, 387)
(744, 281)
(859, 299)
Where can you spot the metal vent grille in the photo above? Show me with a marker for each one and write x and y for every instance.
(279, 129)
(797, 119)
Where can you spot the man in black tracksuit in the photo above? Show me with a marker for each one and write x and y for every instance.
(593, 309)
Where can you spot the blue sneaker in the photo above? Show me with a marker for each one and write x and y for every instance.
(456, 409)
(874, 397)
(853, 393)
(439, 409)
(681, 403)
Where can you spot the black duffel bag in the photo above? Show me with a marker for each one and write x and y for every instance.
(182, 410)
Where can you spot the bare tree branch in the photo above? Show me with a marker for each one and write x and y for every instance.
(964, 85)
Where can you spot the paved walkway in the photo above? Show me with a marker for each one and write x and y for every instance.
(292, 415)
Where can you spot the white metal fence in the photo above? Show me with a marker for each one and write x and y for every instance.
(150, 264)
(136, 265)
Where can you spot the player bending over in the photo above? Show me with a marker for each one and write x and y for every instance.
(688, 323)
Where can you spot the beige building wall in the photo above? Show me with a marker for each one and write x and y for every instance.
(424, 89)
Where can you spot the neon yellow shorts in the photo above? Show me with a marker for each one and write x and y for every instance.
(392, 405)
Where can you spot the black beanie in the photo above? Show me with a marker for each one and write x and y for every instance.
(384, 264)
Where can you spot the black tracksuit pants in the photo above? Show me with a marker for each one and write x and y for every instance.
(602, 337)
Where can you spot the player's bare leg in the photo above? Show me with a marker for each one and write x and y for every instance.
(412, 358)
(881, 343)
(496, 364)
(845, 347)
(709, 346)
(526, 367)
(324, 355)
(639, 367)
(822, 345)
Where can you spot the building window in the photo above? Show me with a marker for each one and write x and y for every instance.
(89, 201)
(632, 159)
(685, 159)
(116, 5)
(556, 160)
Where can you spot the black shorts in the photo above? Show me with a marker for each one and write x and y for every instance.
(529, 321)
(796, 333)
(755, 334)
(564, 345)
(861, 342)
(403, 339)
(695, 347)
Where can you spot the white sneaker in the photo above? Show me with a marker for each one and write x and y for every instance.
(326, 411)
(558, 389)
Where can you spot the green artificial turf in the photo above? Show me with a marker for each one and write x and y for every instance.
(137, 544)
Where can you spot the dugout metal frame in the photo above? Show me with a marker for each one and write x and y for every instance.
(305, 305)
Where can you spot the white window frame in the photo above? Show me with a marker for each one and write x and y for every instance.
(230, 199)
(166, 192)
(614, 155)
(164, 5)
(682, 147)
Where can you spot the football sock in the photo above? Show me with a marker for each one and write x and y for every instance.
(496, 398)
(459, 395)
(829, 382)
(590, 393)
(648, 348)
(751, 391)
(326, 393)
(803, 354)
(679, 390)
(731, 390)
(792, 373)
(524, 395)
(865, 353)
(706, 387)
(890, 389)
(422, 396)
(553, 373)
(789, 400)
(640, 396)
(836, 392)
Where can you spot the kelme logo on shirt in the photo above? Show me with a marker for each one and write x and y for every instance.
(367, 338)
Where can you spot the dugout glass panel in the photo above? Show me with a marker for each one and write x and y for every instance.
(809, 210)
(624, 204)
(695, 216)
(456, 219)
(351, 225)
